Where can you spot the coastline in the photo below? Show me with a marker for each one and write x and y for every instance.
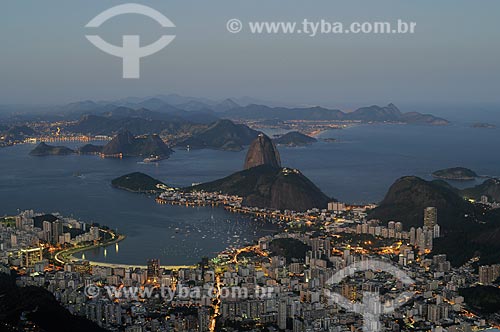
(452, 178)
(120, 265)
(66, 255)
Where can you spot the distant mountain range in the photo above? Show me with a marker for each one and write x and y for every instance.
(209, 110)
(112, 118)
(192, 121)
(389, 113)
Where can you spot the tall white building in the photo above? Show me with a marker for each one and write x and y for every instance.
(430, 217)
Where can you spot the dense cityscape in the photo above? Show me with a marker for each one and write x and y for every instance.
(281, 281)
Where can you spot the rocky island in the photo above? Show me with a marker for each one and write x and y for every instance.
(484, 125)
(138, 182)
(455, 173)
(329, 140)
(90, 149)
(221, 135)
(49, 150)
(127, 145)
(294, 138)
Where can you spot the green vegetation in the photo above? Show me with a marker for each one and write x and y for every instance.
(90, 149)
(270, 187)
(41, 306)
(222, 135)
(485, 299)
(8, 221)
(489, 188)
(295, 138)
(455, 173)
(291, 249)
(137, 182)
(127, 145)
(409, 196)
(469, 230)
(48, 150)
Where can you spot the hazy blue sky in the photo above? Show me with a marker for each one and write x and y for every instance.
(453, 57)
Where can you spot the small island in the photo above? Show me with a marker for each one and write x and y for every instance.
(125, 144)
(294, 138)
(455, 173)
(90, 149)
(138, 182)
(49, 150)
(484, 125)
(329, 140)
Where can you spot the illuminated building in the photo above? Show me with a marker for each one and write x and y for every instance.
(203, 319)
(488, 274)
(82, 267)
(57, 229)
(153, 272)
(30, 256)
(430, 217)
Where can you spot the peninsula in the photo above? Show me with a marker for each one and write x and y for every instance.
(44, 149)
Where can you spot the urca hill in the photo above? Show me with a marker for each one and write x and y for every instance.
(264, 183)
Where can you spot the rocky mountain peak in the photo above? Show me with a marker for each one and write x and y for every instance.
(262, 151)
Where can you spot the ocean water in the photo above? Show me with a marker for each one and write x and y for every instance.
(367, 159)
(358, 168)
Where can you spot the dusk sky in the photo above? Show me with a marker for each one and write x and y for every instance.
(453, 56)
